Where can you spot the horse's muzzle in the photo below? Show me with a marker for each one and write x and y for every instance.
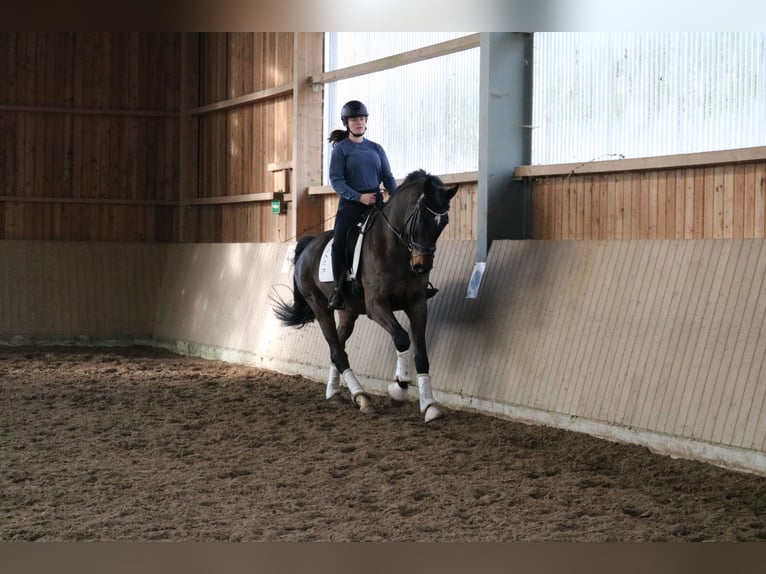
(421, 262)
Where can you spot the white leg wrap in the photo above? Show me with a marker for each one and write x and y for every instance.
(425, 393)
(403, 361)
(333, 383)
(352, 382)
(428, 404)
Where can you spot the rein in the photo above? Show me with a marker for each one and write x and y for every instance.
(407, 240)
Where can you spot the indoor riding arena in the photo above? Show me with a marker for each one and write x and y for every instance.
(597, 344)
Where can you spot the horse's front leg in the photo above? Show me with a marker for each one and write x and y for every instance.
(403, 377)
(418, 314)
(383, 315)
(398, 391)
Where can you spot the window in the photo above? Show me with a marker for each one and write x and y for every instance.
(425, 114)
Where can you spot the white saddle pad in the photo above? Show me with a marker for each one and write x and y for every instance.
(325, 263)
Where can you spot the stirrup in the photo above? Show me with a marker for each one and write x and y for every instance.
(431, 291)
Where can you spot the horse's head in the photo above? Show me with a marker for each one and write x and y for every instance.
(426, 220)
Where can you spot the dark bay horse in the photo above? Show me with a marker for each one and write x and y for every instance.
(396, 258)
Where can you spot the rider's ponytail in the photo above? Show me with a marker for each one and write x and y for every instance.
(337, 136)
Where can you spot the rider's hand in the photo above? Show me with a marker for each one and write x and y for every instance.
(368, 198)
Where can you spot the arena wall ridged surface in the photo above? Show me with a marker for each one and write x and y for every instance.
(659, 343)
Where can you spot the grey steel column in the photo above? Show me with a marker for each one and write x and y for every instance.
(505, 116)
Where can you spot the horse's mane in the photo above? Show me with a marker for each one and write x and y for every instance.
(413, 186)
(421, 175)
(417, 180)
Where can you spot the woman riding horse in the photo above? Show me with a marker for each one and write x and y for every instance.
(357, 168)
(396, 257)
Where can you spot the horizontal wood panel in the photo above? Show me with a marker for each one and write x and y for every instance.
(91, 70)
(237, 146)
(677, 161)
(234, 64)
(112, 157)
(91, 136)
(236, 223)
(89, 146)
(716, 202)
(87, 222)
(85, 120)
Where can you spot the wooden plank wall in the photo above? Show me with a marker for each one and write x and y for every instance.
(90, 138)
(714, 202)
(237, 144)
(88, 145)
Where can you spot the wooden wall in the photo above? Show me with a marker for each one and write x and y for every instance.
(168, 136)
(92, 148)
(239, 141)
(725, 201)
(91, 137)
(88, 146)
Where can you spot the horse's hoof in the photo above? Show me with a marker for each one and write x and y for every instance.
(397, 393)
(432, 413)
(364, 404)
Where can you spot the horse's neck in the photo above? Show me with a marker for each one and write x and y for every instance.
(400, 206)
(395, 214)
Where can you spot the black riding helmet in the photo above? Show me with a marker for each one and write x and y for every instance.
(352, 109)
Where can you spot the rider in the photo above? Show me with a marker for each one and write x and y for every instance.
(357, 168)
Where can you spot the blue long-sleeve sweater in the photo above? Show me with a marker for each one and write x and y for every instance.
(359, 167)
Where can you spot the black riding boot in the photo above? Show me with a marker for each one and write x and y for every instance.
(336, 299)
(338, 271)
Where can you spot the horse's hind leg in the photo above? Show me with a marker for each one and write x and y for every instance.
(344, 330)
(339, 358)
(333, 383)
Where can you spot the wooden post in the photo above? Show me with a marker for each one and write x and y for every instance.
(306, 210)
(189, 128)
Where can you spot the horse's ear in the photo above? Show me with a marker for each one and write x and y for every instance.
(450, 193)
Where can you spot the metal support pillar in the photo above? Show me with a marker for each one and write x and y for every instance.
(505, 117)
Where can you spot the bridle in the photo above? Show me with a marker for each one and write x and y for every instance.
(406, 237)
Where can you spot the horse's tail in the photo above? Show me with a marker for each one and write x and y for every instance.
(299, 313)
